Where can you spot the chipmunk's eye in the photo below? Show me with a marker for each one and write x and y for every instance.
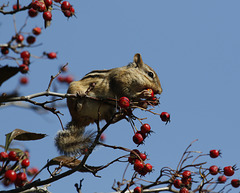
(150, 74)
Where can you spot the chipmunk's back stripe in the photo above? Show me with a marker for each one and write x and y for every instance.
(97, 71)
(95, 74)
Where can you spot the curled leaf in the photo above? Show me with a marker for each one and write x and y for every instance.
(21, 135)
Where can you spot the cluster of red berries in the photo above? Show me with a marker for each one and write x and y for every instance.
(65, 79)
(184, 184)
(140, 136)
(227, 170)
(67, 9)
(137, 159)
(19, 38)
(124, 102)
(25, 55)
(46, 8)
(145, 130)
(14, 173)
(41, 6)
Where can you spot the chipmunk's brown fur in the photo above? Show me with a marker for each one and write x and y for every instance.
(131, 81)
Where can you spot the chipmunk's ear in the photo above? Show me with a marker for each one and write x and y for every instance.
(138, 59)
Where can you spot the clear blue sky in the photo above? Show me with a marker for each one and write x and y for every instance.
(194, 46)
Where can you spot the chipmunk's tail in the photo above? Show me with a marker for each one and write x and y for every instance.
(73, 140)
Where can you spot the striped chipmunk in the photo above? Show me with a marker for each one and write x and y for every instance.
(131, 81)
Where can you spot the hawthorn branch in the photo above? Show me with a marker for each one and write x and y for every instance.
(13, 11)
(79, 167)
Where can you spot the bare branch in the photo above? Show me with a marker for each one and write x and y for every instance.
(14, 11)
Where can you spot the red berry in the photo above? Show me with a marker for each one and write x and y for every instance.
(32, 171)
(36, 30)
(3, 156)
(15, 7)
(214, 153)
(47, 16)
(21, 179)
(61, 79)
(72, 10)
(183, 190)
(42, 7)
(135, 153)
(25, 54)
(165, 117)
(235, 183)
(52, 55)
(22, 176)
(19, 38)
(24, 80)
(26, 61)
(143, 156)
(12, 156)
(65, 5)
(31, 39)
(124, 102)
(228, 170)
(145, 128)
(4, 50)
(68, 79)
(38, 6)
(137, 190)
(10, 175)
(103, 137)
(131, 160)
(23, 68)
(25, 163)
(177, 183)
(147, 167)
(67, 13)
(186, 174)
(151, 92)
(138, 165)
(186, 181)
(32, 12)
(35, 5)
(48, 2)
(222, 179)
(138, 138)
(213, 170)
(142, 172)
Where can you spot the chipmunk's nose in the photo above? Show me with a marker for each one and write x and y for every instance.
(159, 91)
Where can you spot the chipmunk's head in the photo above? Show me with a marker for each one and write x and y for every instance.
(150, 79)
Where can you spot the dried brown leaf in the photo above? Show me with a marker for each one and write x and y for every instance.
(19, 134)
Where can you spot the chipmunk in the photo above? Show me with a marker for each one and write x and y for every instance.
(131, 81)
